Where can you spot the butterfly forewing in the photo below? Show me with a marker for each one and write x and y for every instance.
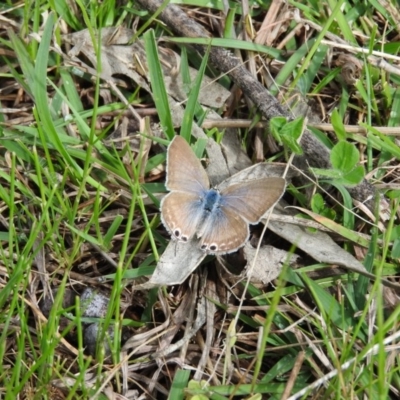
(223, 232)
(184, 170)
(181, 214)
(252, 199)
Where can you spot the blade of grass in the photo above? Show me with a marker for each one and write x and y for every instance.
(159, 91)
(290, 65)
(230, 44)
(179, 383)
(192, 104)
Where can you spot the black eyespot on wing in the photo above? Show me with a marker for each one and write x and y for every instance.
(177, 233)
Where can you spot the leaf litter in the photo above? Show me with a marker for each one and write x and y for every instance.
(191, 323)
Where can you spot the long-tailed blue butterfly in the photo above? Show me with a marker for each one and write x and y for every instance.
(218, 218)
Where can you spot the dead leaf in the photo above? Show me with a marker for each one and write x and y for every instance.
(120, 58)
(268, 264)
(319, 245)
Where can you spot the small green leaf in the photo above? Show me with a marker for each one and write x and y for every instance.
(276, 124)
(396, 249)
(344, 156)
(345, 171)
(288, 133)
(291, 133)
(319, 207)
(395, 234)
(354, 177)
(317, 203)
(393, 194)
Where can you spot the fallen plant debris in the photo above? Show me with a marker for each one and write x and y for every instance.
(97, 300)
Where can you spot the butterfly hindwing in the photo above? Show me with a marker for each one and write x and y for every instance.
(181, 214)
(224, 231)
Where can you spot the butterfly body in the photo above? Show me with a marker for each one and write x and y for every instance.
(218, 218)
(211, 200)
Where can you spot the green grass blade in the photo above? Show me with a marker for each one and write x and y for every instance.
(159, 91)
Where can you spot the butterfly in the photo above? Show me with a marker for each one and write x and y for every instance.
(219, 219)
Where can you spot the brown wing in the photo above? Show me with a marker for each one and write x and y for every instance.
(181, 214)
(184, 169)
(252, 199)
(224, 231)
